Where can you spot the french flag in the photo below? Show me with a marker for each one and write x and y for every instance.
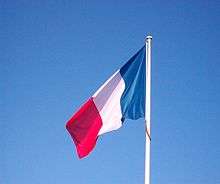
(121, 97)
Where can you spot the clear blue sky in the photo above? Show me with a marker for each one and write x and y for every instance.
(54, 55)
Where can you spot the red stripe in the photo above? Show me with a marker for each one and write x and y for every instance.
(84, 127)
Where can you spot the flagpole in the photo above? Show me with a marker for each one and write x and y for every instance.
(148, 109)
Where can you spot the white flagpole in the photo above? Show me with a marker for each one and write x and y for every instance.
(148, 109)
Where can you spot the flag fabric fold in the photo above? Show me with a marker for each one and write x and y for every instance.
(121, 97)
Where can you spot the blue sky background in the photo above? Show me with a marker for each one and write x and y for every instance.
(55, 54)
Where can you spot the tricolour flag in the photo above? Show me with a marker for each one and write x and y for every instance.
(121, 97)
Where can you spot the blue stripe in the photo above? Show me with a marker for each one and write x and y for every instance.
(133, 97)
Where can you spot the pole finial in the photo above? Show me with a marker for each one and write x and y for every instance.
(149, 37)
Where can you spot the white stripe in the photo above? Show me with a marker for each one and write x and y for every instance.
(107, 101)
